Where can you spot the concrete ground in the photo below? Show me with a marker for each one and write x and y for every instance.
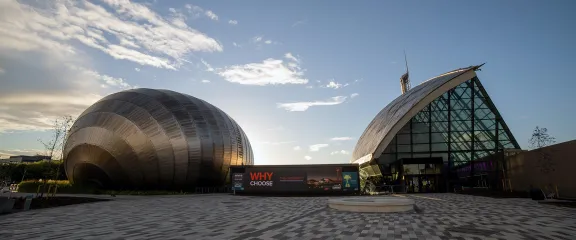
(220, 216)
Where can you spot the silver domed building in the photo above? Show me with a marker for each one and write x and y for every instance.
(155, 139)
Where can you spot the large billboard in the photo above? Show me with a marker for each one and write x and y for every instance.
(296, 179)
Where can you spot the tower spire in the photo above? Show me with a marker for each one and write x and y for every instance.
(405, 78)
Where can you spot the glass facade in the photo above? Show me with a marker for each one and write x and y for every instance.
(461, 130)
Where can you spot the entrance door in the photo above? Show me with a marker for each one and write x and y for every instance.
(413, 183)
(422, 183)
(429, 183)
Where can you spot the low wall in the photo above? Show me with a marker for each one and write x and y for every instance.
(553, 165)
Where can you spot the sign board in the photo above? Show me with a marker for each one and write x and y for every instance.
(302, 178)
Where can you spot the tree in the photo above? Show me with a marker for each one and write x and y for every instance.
(541, 138)
(54, 147)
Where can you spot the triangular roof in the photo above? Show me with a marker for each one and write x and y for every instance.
(397, 113)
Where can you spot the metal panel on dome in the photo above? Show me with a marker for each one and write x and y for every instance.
(388, 117)
(146, 138)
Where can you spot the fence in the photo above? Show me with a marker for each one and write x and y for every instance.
(202, 190)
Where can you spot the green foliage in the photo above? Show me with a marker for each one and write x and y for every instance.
(29, 171)
(64, 186)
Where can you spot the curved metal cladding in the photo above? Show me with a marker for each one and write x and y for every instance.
(148, 138)
(389, 120)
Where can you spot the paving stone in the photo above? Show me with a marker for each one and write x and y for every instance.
(446, 216)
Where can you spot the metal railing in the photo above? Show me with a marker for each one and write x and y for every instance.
(205, 190)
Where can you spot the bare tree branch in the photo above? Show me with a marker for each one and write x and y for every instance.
(54, 146)
(541, 138)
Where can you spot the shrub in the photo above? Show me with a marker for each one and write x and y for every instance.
(64, 186)
(31, 171)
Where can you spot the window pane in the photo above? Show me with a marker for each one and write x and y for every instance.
(440, 126)
(489, 145)
(439, 116)
(420, 128)
(421, 117)
(405, 129)
(483, 114)
(461, 125)
(461, 104)
(411, 169)
(485, 125)
(404, 148)
(390, 149)
(461, 137)
(404, 155)
(403, 138)
(421, 147)
(461, 146)
(439, 147)
(483, 136)
(439, 137)
(461, 115)
(421, 138)
(387, 158)
(502, 135)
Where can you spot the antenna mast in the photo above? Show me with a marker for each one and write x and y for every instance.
(405, 78)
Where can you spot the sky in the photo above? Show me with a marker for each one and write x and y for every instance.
(302, 78)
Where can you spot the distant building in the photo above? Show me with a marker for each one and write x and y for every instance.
(24, 159)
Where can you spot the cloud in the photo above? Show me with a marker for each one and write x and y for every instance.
(2, 70)
(233, 22)
(268, 72)
(205, 81)
(211, 15)
(307, 157)
(303, 106)
(300, 22)
(276, 143)
(260, 39)
(277, 128)
(5, 153)
(192, 8)
(207, 65)
(137, 69)
(297, 148)
(106, 81)
(353, 95)
(36, 112)
(291, 57)
(122, 29)
(197, 12)
(343, 152)
(45, 86)
(257, 39)
(236, 44)
(317, 147)
(341, 139)
(334, 85)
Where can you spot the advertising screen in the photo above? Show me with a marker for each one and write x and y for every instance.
(296, 179)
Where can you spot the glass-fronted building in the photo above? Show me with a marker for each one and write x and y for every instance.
(443, 133)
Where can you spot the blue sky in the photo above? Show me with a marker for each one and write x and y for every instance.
(302, 78)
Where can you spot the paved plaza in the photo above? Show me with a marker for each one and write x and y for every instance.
(220, 216)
